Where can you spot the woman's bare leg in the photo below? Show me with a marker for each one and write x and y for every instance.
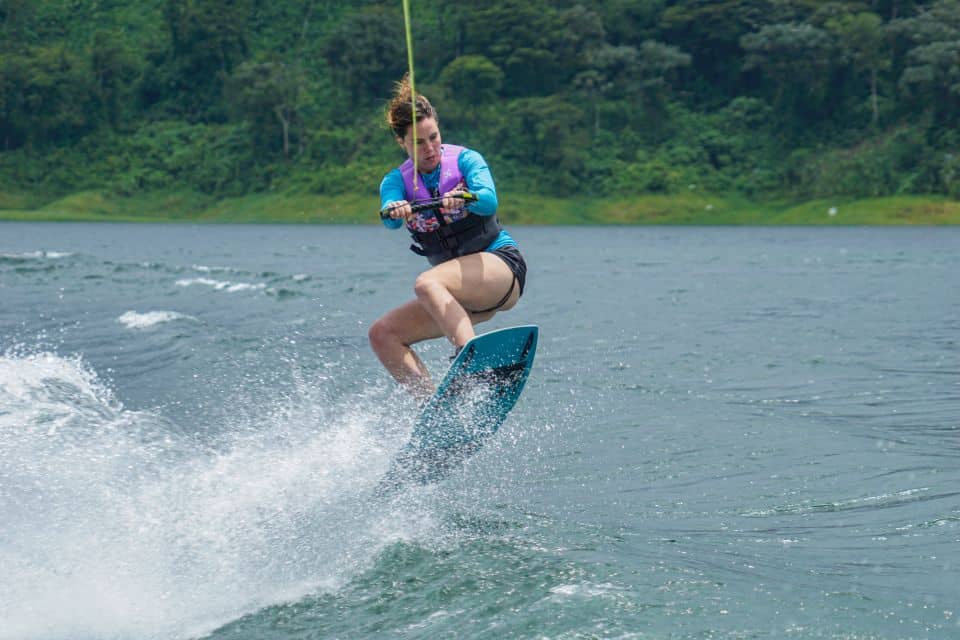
(444, 295)
(450, 290)
(391, 338)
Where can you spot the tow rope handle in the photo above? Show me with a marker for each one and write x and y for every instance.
(431, 204)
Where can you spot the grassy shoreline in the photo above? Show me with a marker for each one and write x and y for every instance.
(678, 209)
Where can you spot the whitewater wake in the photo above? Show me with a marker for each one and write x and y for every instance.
(116, 523)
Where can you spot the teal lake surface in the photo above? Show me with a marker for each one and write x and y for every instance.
(728, 433)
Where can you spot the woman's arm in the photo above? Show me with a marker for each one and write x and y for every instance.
(479, 182)
(392, 190)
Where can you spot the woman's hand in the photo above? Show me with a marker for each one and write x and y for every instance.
(452, 201)
(398, 209)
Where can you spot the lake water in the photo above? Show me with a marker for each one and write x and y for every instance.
(728, 433)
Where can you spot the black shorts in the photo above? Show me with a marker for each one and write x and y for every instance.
(516, 263)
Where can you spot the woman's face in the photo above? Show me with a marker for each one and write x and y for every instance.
(428, 144)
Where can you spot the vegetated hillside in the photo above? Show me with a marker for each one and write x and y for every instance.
(767, 98)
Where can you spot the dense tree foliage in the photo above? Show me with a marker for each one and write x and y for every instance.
(796, 98)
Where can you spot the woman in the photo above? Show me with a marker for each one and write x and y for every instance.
(477, 269)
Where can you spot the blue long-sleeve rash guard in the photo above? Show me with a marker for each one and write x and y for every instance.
(479, 182)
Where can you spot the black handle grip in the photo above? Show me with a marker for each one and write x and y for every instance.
(427, 205)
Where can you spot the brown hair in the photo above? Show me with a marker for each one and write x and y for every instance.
(399, 116)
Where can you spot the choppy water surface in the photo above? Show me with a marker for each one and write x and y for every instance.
(729, 433)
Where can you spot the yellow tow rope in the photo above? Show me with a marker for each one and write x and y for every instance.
(413, 90)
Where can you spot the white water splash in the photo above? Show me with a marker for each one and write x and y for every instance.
(116, 524)
(135, 320)
(39, 255)
(221, 285)
(207, 269)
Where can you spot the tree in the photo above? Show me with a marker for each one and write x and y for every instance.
(539, 47)
(931, 75)
(642, 75)
(115, 69)
(893, 9)
(863, 38)
(631, 22)
(594, 84)
(268, 95)
(580, 32)
(470, 82)
(712, 32)
(472, 78)
(13, 76)
(934, 73)
(797, 59)
(45, 98)
(15, 18)
(547, 133)
(207, 41)
(367, 53)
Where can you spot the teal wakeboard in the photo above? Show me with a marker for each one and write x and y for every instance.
(474, 398)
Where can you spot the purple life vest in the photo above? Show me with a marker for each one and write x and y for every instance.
(441, 237)
(450, 179)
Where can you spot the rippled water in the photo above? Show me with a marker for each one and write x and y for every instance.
(729, 433)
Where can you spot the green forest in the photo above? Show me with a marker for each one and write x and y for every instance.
(764, 100)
